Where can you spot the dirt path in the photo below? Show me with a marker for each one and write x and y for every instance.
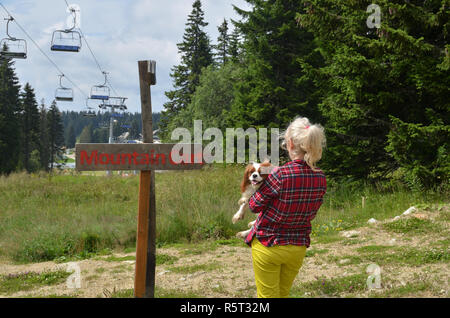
(213, 270)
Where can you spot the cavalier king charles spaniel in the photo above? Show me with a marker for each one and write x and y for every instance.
(255, 174)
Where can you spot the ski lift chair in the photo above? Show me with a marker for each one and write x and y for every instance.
(62, 93)
(89, 110)
(90, 113)
(66, 41)
(101, 92)
(118, 102)
(11, 47)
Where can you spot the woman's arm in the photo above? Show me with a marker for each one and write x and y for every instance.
(268, 191)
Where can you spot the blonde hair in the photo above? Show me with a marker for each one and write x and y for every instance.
(307, 139)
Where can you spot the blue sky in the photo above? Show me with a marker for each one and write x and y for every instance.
(120, 33)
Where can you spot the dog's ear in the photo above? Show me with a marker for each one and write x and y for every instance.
(245, 181)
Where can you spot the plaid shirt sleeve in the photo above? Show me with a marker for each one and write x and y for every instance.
(269, 190)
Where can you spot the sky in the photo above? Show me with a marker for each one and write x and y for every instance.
(119, 32)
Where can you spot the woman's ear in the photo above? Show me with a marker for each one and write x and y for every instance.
(289, 144)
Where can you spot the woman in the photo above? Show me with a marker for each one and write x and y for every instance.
(286, 203)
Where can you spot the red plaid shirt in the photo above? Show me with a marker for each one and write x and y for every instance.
(287, 202)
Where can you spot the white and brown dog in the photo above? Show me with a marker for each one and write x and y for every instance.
(255, 174)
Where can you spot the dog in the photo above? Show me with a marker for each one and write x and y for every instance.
(255, 174)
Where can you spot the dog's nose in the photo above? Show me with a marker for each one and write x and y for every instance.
(255, 175)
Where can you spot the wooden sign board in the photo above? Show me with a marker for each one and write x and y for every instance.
(143, 157)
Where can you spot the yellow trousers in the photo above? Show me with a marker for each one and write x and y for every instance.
(276, 268)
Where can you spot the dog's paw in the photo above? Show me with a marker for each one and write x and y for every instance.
(242, 201)
(237, 217)
(251, 224)
(242, 235)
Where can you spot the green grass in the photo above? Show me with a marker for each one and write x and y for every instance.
(161, 259)
(66, 160)
(410, 289)
(66, 217)
(118, 259)
(312, 252)
(159, 293)
(14, 283)
(190, 269)
(413, 226)
(207, 246)
(164, 259)
(399, 255)
(331, 287)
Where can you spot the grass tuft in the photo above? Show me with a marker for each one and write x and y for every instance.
(412, 226)
(331, 287)
(14, 283)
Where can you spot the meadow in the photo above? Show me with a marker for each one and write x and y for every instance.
(60, 217)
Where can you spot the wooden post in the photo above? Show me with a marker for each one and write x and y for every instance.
(144, 281)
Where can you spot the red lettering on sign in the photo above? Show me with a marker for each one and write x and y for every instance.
(115, 162)
(125, 156)
(162, 157)
(104, 159)
(85, 158)
(142, 159)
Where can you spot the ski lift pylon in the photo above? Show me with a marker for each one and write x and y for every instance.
(12, 47)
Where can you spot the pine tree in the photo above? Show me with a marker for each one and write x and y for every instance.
(274, 88)
(71, 137)
(195, 51)
(44, 143)
(56, 134)
(135, 129)
(235, 46)
(9, 117)
(223, 44)
(30, 125)
(86, 136)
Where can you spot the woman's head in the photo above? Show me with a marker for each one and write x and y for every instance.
(304, 139)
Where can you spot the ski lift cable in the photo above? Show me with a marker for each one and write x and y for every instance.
(42, 51)
(92, 52)
(96, 60)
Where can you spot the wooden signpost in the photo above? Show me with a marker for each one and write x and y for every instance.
(147, 158)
